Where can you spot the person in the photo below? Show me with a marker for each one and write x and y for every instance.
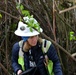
(28, 54)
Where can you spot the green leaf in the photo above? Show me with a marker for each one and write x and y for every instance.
(31, 29)
(0, 15)
(21, 7)
(25, 13)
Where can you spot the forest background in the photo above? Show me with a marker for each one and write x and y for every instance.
(56, 17)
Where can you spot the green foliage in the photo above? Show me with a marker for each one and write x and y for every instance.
(29, 20)
(23, 11)
(0, 15)
(32, 23)
(72, 36)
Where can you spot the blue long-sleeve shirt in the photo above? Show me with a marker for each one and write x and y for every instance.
(37, 53)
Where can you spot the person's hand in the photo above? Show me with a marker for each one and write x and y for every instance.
(19, 72)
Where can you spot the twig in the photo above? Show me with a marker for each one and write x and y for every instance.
(68, 9)
(9, 15)
(5, 70)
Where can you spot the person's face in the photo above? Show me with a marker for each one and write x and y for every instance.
(33, 40)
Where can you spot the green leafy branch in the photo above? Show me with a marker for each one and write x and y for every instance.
(28, 19)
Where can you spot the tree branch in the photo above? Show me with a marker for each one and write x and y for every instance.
(4, 69)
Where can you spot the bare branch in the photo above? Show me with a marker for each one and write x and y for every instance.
(68, 9)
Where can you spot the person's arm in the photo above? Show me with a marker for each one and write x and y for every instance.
(15, 65)
(52, 54)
